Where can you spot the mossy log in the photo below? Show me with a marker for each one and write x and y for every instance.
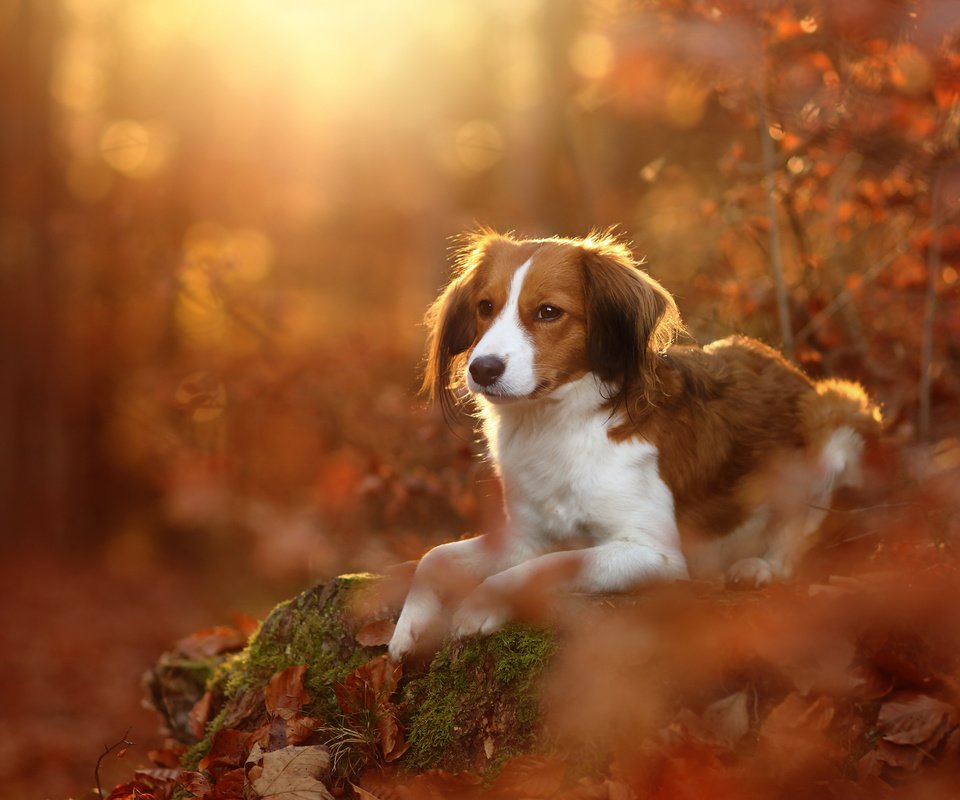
(473, 707)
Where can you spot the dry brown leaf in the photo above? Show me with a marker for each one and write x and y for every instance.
(438, 784)
(300, 727)
(392, 742)
(728, 719)
(230, 786)
(901, 756)
(199, 714)
(360, 793)
(912, 718)
(377, 633)
(196, 783)
(529, 777)
(212, 642)
(285, 694)
(228, 750)
(292, 773)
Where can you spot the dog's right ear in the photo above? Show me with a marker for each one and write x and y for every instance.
(452, 322)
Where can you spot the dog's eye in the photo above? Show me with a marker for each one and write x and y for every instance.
(485, 308)
(549, 313)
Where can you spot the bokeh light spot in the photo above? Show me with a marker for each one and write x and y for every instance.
(478, 145)
(591, 55)
(78, 80)
(911, 71)
(134, 149)
(685, 103)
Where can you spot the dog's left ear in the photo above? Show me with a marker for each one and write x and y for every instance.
(631, 319)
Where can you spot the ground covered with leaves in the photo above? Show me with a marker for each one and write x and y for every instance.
(843, 683)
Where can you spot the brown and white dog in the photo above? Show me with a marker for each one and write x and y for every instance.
(620, 451)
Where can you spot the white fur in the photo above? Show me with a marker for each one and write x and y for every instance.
(565, 481)
(507, 339)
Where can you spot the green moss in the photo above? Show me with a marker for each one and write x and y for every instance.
(309, 629)
(474, 689)
(436, 699)
(467, 682)
(306, 630)
(521, 654)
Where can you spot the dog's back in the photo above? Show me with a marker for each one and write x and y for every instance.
(753, 449)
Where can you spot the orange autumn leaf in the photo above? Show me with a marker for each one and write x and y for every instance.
(285, 693)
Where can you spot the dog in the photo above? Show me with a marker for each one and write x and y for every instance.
(625, 457)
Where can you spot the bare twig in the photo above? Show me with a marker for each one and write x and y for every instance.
(107, 750)
(846, 296)
(859, 509)
(776, 255)
(929, 314)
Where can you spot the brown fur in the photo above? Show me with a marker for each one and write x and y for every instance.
(617, 319)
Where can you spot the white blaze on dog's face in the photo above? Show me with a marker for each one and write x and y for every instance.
(530, 322)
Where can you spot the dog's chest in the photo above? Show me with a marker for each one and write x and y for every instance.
(565, 477)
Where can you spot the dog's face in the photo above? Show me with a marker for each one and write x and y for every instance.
(524, 317)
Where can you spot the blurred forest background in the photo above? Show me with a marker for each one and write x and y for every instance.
(221, 222)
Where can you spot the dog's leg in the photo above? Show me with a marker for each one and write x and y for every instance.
(447, 572)
(611, 567)
(794, 531)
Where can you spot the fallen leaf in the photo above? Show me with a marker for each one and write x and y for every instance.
(285, 693)
(134, 790)
(292, 773)
(196, 783)
(229, 786)
(374, 634)
(199, 714)
(362, 794)
(438, 784)
(213, 641)
(228, 750)
(392, 742)
(793, 734)
(168, 756)
(728, 719)
(158, 775)
(300, 727)
(529, 777)
(901, 756)
(912, 718)
(242, 707)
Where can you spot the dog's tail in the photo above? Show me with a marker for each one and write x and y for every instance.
(838, 419)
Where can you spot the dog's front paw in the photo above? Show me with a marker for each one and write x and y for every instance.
(416, 628)
(750, 573)
(480, 614)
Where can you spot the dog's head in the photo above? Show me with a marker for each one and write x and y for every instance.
(523, 317)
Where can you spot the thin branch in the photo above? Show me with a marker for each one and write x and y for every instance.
(776, 254)
(846, 296)
(859, 509)
(124, 742)
(929, 314)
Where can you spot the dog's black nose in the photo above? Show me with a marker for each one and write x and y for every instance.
(486, 369)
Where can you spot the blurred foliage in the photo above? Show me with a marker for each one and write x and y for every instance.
(220, 222)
